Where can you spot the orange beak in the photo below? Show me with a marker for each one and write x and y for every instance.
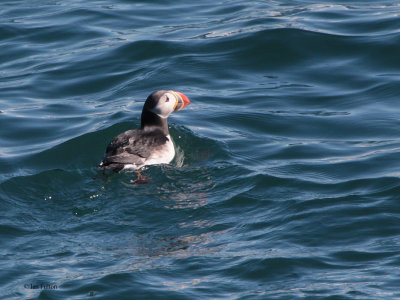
(182, 102)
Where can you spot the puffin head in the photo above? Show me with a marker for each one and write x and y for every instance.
(163, 103)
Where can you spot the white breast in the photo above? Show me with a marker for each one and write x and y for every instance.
(162, 155)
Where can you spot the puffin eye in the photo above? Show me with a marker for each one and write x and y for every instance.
(167, 99)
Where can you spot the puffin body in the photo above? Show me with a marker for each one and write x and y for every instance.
(150, 144)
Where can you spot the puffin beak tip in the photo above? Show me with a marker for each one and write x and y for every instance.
(182, 102)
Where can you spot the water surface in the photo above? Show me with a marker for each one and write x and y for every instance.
(286, 180)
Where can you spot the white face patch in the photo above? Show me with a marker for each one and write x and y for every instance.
(165, 105)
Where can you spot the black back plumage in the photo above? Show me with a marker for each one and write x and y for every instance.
(132, 147)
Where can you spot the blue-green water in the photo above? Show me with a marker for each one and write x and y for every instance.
(287, 177)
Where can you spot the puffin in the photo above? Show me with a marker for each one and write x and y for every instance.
(151, 144)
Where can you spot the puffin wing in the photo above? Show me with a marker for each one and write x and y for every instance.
(132, 147)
